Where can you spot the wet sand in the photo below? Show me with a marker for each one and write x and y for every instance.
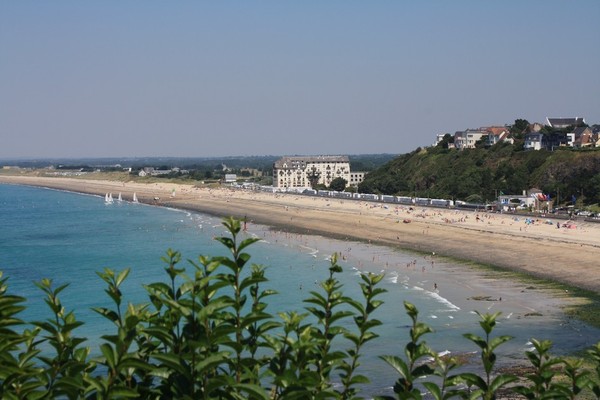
(538, 248)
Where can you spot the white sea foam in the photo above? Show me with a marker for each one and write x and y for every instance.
(444, 301)
(311, 250)
(393, 278)
(440, 354)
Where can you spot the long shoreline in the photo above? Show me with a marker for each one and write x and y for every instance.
(538, 248)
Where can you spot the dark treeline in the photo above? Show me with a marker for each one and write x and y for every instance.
(359, 162)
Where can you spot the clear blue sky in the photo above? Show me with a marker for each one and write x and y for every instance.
(194, 78)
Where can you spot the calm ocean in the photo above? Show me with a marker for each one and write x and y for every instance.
(68, 237)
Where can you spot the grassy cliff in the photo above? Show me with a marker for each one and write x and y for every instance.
(485, 172)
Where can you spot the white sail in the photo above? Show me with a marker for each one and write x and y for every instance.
(135, 199)
(106, 198)
(120, 198)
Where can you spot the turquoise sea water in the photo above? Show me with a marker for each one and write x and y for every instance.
(68, 237)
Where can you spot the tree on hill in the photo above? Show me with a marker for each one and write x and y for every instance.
(482, 143)
(520, 126)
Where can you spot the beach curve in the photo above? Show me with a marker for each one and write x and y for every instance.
(538, 248)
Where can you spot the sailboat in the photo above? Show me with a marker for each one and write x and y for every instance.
(108, 198)
(135, 199)
(120, 198)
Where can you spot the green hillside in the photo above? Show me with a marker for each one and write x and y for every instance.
(480, 174)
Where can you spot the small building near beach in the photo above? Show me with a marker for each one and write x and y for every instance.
(532, 199)
(229, 178)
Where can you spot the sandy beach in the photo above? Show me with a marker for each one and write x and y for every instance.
(538, 247)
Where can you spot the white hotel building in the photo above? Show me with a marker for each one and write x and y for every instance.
(293, 172)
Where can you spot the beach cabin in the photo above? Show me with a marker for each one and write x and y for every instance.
(533, 200)
(230, 178)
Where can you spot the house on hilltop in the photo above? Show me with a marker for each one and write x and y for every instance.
(459, 140)
(548, 141)
(497, 134)
(535, 127)
(533, 141)
(583, 137)
(468, 138)
(559, 139)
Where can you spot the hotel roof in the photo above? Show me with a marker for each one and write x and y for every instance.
(296, 161)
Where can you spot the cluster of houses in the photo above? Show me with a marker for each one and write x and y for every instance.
(580, 136)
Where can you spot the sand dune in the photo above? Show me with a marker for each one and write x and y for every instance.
(539, 248)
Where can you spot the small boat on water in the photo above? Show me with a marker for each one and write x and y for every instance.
(135, 199)
(108, 198)
(120, 198)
